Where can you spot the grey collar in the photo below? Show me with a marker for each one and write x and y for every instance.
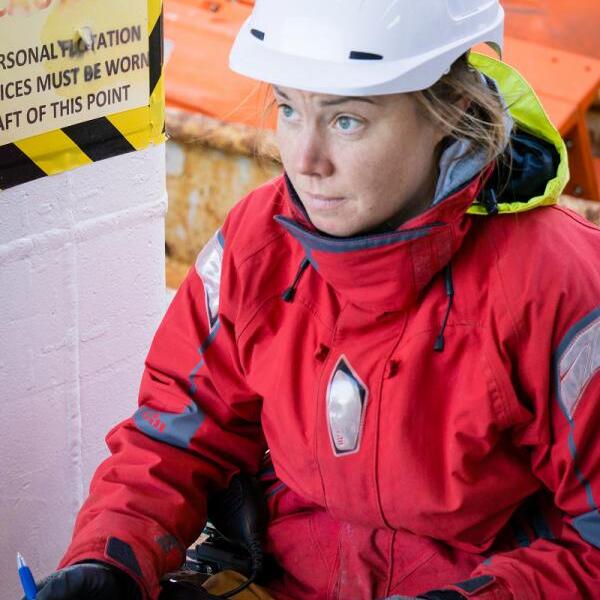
(453, 173)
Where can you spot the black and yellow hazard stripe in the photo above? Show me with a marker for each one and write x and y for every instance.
(90, 141)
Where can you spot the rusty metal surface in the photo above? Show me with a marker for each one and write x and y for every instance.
(175, 272)
(235, 138)
(210, 166)
(593, 123)
(586, 208)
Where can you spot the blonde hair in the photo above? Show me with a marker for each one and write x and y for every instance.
(483, 124)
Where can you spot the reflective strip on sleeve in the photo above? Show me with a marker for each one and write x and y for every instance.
(578, 359)
(576, 362)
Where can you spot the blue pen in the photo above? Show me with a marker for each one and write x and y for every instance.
(26, 578)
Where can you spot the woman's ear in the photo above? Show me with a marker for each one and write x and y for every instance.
(463, 103)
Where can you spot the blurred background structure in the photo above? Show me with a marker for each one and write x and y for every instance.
(221, 143)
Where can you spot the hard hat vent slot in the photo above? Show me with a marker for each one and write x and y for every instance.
(258, 34)
(354, 55)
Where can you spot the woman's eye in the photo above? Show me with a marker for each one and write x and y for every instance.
(287, 111)
(347, 124)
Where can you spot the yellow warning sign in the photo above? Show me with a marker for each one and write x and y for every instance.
(68, 61)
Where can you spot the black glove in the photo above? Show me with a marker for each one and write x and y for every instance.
(88, 581)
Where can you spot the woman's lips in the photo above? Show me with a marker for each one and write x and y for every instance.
(321, 203)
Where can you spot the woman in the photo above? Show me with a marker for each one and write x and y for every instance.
(423, 370)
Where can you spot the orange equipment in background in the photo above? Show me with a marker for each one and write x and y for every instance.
(199, 35)
(572, 25)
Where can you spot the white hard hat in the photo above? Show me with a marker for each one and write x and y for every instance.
(361, 47)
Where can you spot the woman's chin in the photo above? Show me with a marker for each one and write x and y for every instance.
(335, 229)
(333, 222)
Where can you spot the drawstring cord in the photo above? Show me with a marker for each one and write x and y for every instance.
(490, 201)
(288, 295)
(439, 341)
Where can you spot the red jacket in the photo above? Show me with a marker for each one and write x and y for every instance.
(401, 468)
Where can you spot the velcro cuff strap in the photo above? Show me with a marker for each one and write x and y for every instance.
(122, 553)
(442, 595)
(474, 586)
(464, 589)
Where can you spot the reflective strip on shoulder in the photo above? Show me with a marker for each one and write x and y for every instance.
(577, 361)
(208, 267)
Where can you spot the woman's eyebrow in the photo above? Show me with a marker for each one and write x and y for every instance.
(344, 99)
(334, 101)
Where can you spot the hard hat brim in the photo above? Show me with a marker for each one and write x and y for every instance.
(252, 58)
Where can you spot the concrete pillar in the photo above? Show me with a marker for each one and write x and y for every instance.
(81, 293)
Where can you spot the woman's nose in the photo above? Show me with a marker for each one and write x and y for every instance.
(312, 157)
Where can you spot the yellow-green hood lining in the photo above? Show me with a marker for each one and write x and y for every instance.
(530, 116)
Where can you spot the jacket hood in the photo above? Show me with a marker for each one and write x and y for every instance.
(387, 271)
(540, 162)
